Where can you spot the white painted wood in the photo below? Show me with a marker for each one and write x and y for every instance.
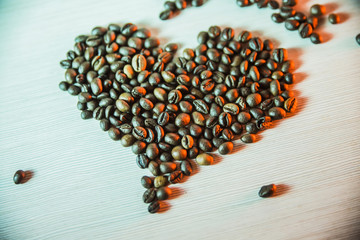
(85, 186)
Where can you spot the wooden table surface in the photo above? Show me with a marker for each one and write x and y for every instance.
(86, 186)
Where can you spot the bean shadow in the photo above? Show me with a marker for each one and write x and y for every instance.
(164, 207)
(29, 174)
(343, 17)
(281, 189)
(331, 7)
(176, 192)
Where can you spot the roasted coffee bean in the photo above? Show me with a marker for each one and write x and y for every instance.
(291, 24)
(251, 128)
(64, 86)
(147, 182)
(139, 132)
(138, 63)
(167, 14)
(176, 177)
(154, 206)
(179, 153)
(253, 99)
(186, 168)
(226, 148)
(163, 193)
(104, 124)
(227, 34)
(231, 108)
(142, 161)
(193, 152)
(256, 113)
(357, 38)
(248, 138)
(334, 18)
(154, 169)
(225, 119)
(227, 134)
(243, 117)
(205, 145)
(149, 195)
(277, 113)
(172, 139)
(174, 96)
(317, 10)
(256, 44)
(19, 176)
(242, 3)
(114, 133)
(315, 38)
(152, 151)
(273, 4)
(86, 114)
(167, 167)
(182, 120)
(204, 159)
(279, 101)
(305, 30)
(138, 147)
(267, 191)
(187, 141)
(263, 123)
(165, 157)
(290, 104)
(201, 106)
(280, 55)
(276, 17)
(163, 118)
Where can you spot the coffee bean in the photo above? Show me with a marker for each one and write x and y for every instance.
(357, 38)
(290, 104)
(253, 99)
(163, 193)
(138, 147)
(226, 148)
(127, 140)
(205, 145)
(154, 206)
(152, 151)
(139, 132)
(242, 3)
(176, 177)
(315, 38)
(19, 176)
(114, 133)
(267, 190)
(138, 63)
(305, 30)
(186, 168)
(334, 18)
(273, 4)
(149, 195)
(227, 34)
(172, 139)
(187, 142)
(317, 10)
(104, 124)
(142, 161)
(201, 106)
(154, 168)
(263, 123)
(225, 119)
(277, 113)
(167, 167)
(248, 138)
(280, 55)
(276, 17)
(160, 181)
(146, 182)
(231, 108)
(256, 44)
(292, 24)
(164, 15)
(179, 153)
(204, 159)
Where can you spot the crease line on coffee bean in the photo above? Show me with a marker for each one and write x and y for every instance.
(169, 111)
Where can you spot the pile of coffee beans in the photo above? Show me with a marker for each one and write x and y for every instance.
(171, 110)
(174, 7)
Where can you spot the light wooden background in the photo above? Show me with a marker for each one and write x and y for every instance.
(86, 186)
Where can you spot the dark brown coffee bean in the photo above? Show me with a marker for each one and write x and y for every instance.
(154, 169)
(167, 167)
(248, 138)
(205, 145)
(149, 195)
(186, 168)
(263, 123)
(305, 30)
(139, 133)
(227, 134)
(163, 118)
(179, 153)
(19, 176)
(280, 55)
(226, 148)
(276, 17)
(163, 193)
(187, 142)
(317, 10)
(292, 24)
(290, 104)
(152, 151)
(225, 119)
(204, 159)
(277, 113)
(176, 177)
(147, 182)
(316, 38)
(267, 190)
(154, 206)
(138, 147)
(142, 161)
(201, 106)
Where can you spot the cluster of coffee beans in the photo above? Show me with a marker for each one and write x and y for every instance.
(173, 7)
(170, 111)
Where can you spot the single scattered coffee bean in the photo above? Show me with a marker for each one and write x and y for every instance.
(154, 206)
(19, 176)
(277, 18)
(317, 10)
(305, 30)
(334, 18)
(267, 191)
(163, 193)
(204, 159)
(146, 182)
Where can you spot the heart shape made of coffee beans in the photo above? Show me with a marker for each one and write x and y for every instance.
(172, 110)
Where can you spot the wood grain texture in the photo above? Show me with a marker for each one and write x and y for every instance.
(86, 186)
